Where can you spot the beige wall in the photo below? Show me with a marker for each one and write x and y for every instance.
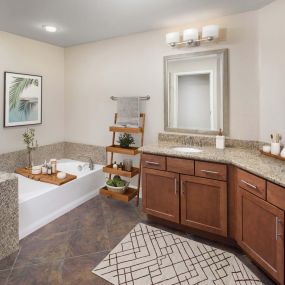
(18, 54)
(133, 66)
(272, 69)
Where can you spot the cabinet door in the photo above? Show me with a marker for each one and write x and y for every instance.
(260, 229)
(161, 194)
(204, 204)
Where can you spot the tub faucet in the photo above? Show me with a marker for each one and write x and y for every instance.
(91, 163)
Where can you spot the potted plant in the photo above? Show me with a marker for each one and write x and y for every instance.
(125, 140)
(29, 138)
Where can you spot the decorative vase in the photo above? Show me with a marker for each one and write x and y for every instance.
(29, 157)
(124, 145)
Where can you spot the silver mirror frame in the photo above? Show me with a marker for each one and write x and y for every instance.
(223, 56)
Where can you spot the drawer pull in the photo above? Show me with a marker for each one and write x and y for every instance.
(277, 221)
(152, 162)
(182, 188)
(248, 184)
(209, 171)
(175, 186)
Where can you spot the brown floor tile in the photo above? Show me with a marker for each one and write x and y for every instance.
(117, 232)
(87, 240)
(86, 216)
(8, 261)
(4, 276)
(78, 270)
(39, 249)
(42, 274)
(66, 250)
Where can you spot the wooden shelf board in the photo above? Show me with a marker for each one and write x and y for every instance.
(125, 130)
(130, 174)
(122, 150)
(126, 197)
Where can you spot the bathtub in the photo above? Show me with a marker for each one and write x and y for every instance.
(41, 203)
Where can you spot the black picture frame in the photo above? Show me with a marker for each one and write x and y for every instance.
(6, 122)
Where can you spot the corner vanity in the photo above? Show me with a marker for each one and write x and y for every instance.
(234, 195)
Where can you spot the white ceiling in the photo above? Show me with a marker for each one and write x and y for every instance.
(82, 21)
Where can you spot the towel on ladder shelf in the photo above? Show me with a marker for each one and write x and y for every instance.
(128, 111)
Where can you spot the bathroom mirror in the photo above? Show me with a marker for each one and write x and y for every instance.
(196, 92)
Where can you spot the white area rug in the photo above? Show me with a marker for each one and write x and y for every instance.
(148, 255)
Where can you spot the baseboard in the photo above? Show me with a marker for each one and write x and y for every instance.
(53, 216)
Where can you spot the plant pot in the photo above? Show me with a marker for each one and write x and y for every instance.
(125, 145)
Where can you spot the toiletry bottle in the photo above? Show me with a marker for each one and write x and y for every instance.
(53, 165)
(49, 169)
(220, 140)
(115, 165)
(44, 168)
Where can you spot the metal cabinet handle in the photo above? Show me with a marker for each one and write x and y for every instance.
(182, 187)
(248, 184)
(152, 162)
(175, 186)
(209, 171)
(277, 221)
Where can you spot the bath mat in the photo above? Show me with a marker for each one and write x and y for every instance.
(148, 255)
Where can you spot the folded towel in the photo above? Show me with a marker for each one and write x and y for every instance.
(128, 111)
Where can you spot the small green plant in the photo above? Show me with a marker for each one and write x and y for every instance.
(125, 140)
(29, 137)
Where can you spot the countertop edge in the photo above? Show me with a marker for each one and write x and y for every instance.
(215, 160)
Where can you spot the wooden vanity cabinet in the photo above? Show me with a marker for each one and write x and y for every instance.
(204, 204)
(161, 194)
(177, 195)
(260, 232)
(198, 195)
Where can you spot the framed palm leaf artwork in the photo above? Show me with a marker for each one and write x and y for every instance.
(22, 99)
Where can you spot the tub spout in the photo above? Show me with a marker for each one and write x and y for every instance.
(91, 163)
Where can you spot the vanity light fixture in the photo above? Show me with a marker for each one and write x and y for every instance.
(191, 37)
(50, 29)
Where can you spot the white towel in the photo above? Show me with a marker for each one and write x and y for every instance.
(128, 110)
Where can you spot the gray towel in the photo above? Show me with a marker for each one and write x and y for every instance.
(128, 109)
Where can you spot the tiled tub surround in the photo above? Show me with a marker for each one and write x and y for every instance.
(248, 158)
(9, 161)
(9, 214)
(78, 151)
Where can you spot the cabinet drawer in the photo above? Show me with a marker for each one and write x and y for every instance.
(153, 161)
(276, 195)
(178, 165)
(252, 183)
(211, 170)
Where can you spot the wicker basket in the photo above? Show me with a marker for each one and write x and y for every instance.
(120, 190)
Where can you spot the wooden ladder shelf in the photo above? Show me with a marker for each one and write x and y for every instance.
(130, 193)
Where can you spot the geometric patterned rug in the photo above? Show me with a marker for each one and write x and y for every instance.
(148, 255)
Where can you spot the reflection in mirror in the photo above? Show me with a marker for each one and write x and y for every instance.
(195, 92)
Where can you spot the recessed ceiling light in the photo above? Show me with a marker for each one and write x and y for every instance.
(50, 29)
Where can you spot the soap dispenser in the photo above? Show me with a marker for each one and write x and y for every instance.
(220, 140)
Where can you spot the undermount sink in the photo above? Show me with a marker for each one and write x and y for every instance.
(187, 149)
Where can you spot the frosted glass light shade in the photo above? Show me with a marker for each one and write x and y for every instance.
(211, 31)
(190, 34)
(172, 38)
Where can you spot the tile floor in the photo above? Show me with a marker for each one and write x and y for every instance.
(66, 250)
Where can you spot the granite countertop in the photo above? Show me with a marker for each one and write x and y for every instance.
(4, 176)
(247, 159)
